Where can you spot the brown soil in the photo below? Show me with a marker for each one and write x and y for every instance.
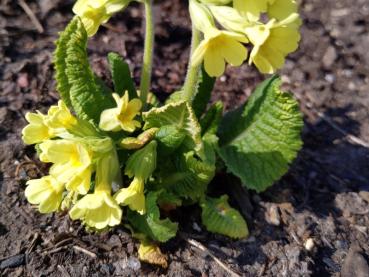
(324, 197)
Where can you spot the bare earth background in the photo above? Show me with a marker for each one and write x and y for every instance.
(324, 197)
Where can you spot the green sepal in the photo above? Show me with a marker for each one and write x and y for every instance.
(150, 223)
(219, 217)
(260, 139)
(121, 76)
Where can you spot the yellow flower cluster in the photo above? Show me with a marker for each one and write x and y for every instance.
(74, 159)
(272, 40)
(77, 150)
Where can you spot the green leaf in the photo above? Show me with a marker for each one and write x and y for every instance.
(203, 94)
(150, 223)
(181, 116)
(166, 199)
(210, 122)
(63, 86)
(259, 140)
(186, 176)
(121, 75)
(169, 138)
(77, 84)
(209, 126)
(219, 217)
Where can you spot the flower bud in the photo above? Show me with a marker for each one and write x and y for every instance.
(216, 2)
(143, 162)
(201, 16)
(229, 18)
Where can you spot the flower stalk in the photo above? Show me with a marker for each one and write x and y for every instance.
(148, 52)
(192, 77)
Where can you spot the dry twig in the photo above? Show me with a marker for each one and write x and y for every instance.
(63, 271)
(350, 137)
(200, 246)
(85, 251)
(31, 16)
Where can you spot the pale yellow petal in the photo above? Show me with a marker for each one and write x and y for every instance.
(234, 52)
(214, 63)
(109, 121)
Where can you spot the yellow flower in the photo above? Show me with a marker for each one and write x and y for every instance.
(277, 9)
(220, 47)
(251, 8)
(93, 13)
(45, 192)
(72, 163)
(59, 118)
(272, 43)
(43, 127)
(133, 196)
(216, 2)
(121, 117)
(281, 9)
(98, 210)
(36, 131)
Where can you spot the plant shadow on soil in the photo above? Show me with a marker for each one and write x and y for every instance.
(327, 165)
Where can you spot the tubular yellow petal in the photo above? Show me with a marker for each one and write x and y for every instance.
(132, 196)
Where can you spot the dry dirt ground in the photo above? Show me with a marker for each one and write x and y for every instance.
(313, 222)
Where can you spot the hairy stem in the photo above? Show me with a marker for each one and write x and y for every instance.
(192, 77)
(148, 52)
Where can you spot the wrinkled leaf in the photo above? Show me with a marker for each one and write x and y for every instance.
(76, 81)
(181, 116)
(150, 223)
(121, 75)
(259, 140)
(219, 217)
(187, 176)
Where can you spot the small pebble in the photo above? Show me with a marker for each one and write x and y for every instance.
(272, 215)
(309, 244)
(196, 227)
(13, 261)
(133, 263)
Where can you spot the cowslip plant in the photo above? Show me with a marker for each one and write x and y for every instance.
(121, 157)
